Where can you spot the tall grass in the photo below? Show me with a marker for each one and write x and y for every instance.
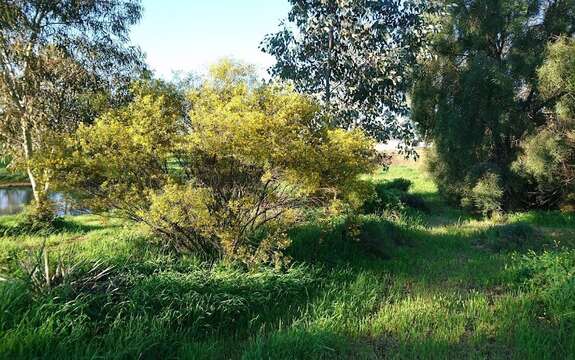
(416, 285)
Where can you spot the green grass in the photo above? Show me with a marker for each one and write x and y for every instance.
(437, 293)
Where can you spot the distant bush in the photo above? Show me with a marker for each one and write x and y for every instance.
(379, 237)
(346, 238)
(383, 199)
(514, 237)
(400, 184)
(414, 201)
(36, 220)
(40, 216)
(392, 196)
(486, 196)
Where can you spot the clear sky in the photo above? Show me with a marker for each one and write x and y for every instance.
(188, 35)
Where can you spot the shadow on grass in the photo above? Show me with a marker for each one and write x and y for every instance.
(442, 213)
(447, 269)
(164, 302)
(66, 225)
(545, 218)
(462, 256)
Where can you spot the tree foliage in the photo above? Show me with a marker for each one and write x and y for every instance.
(478, 96)
(59, 61)
(548, 155)
(353, 55)
(230, 181)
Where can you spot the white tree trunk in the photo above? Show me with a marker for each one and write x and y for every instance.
(27, 137)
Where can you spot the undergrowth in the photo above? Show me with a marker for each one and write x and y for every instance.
(405, 283)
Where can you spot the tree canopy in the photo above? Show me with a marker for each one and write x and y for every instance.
(61, 63)
(547, 155)
(355, 56)
(478, 96)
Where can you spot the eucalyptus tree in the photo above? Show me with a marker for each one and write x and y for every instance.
(61, 61)
(355, 55)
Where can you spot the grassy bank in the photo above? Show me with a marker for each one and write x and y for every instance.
(442, 284)
(8, 177)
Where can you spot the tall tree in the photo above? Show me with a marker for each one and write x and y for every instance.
(478, 96)
(58, 61)
(354, 55)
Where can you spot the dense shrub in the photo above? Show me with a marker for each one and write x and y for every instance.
(486, 195)
(382, 200)
(414, 201)
(514, 237)
(400, 184)
(39, 216)
(379, 237)
(548, 155)
(345, 238)
(392, 195)
(231, 181)
(479, 96)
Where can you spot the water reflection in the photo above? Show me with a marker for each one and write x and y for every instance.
(13, 200)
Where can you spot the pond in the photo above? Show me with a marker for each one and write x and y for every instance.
(13, 200)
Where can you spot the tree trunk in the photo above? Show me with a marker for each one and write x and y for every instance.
(27, 137)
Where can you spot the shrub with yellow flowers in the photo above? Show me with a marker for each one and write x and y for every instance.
(231, 178)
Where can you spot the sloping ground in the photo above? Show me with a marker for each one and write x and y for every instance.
(8, 178)
(453, 288)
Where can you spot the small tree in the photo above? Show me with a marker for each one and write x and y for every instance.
(355, 56)
(58, 62)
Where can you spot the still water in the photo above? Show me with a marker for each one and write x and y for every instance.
(13, 200)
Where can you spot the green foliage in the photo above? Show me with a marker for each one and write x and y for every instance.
(61, 62)
(392, 196)
(345, 239)
(519, 236)
(479, 95)
(557, 76)
(115, 161)
(441, 296)
(356, 56)
(486, 195)
(384, 199)
(39, 216)
(8, 175)
(548, 154)
(183, 214)
(414, 202)
(399, 184)
(229, 183)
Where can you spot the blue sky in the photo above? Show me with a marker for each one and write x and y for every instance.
(188, 35)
